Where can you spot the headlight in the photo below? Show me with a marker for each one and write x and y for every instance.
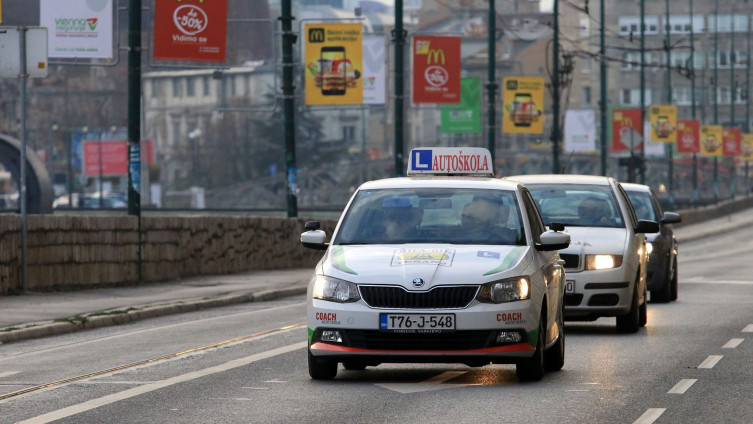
(508, 290)
(649, 247)
(335, 290)
(603, 261)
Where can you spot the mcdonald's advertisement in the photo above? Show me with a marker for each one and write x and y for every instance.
(436, 69)
(732, 138)
(711, 140)
(465, 117)
(333, 62)
(688, 136)
(746, 147)
(523, 105)
(190, 30)
(627, 133)
(663, 123)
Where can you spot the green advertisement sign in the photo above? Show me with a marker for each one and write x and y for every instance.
(464, 117)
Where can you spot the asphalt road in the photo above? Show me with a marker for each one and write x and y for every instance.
(247, 363)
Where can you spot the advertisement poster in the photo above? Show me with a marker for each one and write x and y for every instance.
(78, 28)
(663, 123)
(746, 147)
(374, 75)
(523, 105)
(711, 140)
(190, 30)
(332, 59)
(627, 133)
(464, 118)
(732, 138)
(580, 131)
(436, 69)
(112, 156)
(688, 136)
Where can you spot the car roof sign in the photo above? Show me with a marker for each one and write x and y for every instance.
(451, 161)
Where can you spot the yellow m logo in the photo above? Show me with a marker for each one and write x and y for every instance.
(316, 35)
(435, 57)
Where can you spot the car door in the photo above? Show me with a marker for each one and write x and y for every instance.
(637, 240)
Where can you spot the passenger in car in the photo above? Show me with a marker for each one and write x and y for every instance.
(593, 211)
(484, 220)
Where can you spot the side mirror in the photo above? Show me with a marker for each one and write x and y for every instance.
(647, 227)
(553, 240)
(312, 225)
(557, 226)
(671, 218)
(314, 240)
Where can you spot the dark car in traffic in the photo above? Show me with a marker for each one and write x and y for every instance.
(661, 273)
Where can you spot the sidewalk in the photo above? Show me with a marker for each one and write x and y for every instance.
(44, 314)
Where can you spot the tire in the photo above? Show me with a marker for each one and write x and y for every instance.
(321, 370)
(630, 322)
(664, 294)
(554, 357)
(674, 290)
(643, 311)
(354, 366)
(532, 369)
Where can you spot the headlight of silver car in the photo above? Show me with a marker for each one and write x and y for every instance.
(335, 290)
(603, 261)
(507, 290)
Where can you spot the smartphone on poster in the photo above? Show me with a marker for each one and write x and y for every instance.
(333, 68)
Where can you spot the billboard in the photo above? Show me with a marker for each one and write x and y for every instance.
(436, 69)
(711, 140)
(746, 147)
(374, 75)
(580, 131)
(732, 137)
(465, 117)
(688, 136)
(523, 105)
(112, 156)
(627, 133)
(333, 62)
(190, 30)
(78, 28)
(663, 120)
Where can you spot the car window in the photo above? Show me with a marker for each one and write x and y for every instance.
(631, 211)
(642, 204)
(578, 205)
(432, 215)
(534, 217)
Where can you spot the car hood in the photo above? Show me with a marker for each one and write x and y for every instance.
(435, 264)
(596, 240)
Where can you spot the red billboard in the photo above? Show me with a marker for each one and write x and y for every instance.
(191, 30)
(112, 156)
(436, 69)
(627, 130)
(732, 144)
(688, 136)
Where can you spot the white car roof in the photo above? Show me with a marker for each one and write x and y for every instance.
(636, 187)
(440, 181)
(561, 179)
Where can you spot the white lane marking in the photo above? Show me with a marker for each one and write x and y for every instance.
(274, 381)
(650, 416)
(256, 388)
(710, 361)
(682, 386)
(710, 280)
(147, 388)
(733, 343)
(8, 373)
(748, 329)
(434, 383)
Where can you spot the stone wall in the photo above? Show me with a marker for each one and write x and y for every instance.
(69, 252)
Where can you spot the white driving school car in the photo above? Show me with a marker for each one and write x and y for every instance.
(447, 265)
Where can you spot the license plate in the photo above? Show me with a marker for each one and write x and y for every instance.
(570, 286)
(417, 323)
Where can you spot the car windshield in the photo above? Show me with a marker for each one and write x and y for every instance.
(642, 204)
(433, 215)
(577, 205)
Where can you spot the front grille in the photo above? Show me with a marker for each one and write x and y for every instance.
(571, 261)
(442, 297)
(458, 340)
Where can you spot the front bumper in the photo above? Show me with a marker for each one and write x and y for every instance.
(598, 293)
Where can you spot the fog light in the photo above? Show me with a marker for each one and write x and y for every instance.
(331, 336)
(508, 337)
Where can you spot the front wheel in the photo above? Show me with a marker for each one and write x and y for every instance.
(630, 322)
(321, 370)
(554, 357)
(532, 369)
(643, 311)
(674, 282)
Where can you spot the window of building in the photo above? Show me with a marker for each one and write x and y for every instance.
(584, 28)
(205, 84)
(585, 64)
(585, 97)
(190, 87)
(682, 95)
(176, 130)
(631, 24)
(177, 87)
(349, 132)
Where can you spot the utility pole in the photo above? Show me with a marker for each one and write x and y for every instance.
(747, 105)
(732, 94)
(668, 84)
(603, 87)
(556, 90)
(134, 109)
(398, 37)
(288, 102)
(692, 99)
(491, 85)
(643, 91)
(716, 93)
